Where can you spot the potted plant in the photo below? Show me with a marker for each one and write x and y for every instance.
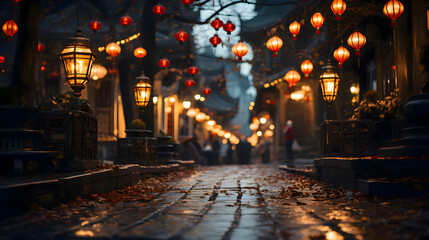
(138, 129)
(385, 113)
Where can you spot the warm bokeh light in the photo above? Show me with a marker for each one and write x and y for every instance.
(186, 104)
(259, 133)
(200, 117)
(192, 112)
(155, 99)
(197, 96)
(272, 127)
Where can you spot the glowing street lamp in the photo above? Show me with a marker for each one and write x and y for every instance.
(329, 81)
(78, 57)
(142, 91)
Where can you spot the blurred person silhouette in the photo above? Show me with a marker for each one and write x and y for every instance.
(244, 148)
(289, 137)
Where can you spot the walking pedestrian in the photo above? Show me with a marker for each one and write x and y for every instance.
(289, 138)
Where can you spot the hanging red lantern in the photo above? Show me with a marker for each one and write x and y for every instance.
(113, 49)
(294, 29)
(216, 24)
(393, 9)
(306, 68)
(356, 40)
(193, 70)
(229, 27)
(2, 59)
(164, 62)
(158, 9)
(240, 49)
(15, 2)
(140, 52)
(338, 7)
(292, 77)
(207, 91)
(187, 2)
(181, 36)
(317, 21)
(95, 25)
(126, 20)
(341, 54)
(215, 40)
(274, 44)
(40, 47)
(10, 28)
(189, 83)
(42, 68)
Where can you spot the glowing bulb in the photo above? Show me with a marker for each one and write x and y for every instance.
(155, 99)
(172, 99)
(262, 120)
(186, 104)
(197, 96)
(259, 133)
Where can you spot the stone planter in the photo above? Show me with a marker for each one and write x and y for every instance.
(137, 148)
(74, 135)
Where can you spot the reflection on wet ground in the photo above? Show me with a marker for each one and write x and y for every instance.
(234, 202)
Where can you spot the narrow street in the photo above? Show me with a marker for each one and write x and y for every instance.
(228, 202)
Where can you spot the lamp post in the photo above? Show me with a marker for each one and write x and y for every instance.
(329, 82)
(78, 57)
(142, 91)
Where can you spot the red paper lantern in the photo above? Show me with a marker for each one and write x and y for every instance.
(356, 40)
(181, 36)
(341, 54)
(40, 47)
(317, 21)
(187, 2)
(274, 44)
(189, 83)
(229, 27)
(42, 68)
(292, 77)
(140, 52)
(10, 28)
(207, 91)
(306, 68)
(158, 9)
(113, 49)
(95, 25)
(240, 49)
(2, 59)
(294, 29)
(338, 7)
(393, 9)
(216, 24)
(215, 40)
(126, 20)
(164, 62)
(193, 70)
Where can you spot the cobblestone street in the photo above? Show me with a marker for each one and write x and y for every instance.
(236, 202)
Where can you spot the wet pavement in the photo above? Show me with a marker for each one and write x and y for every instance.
(235, 202)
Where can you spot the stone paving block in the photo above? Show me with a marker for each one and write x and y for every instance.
(161, 227)
(250, 233)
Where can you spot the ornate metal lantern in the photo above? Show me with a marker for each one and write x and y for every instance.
(78, 57)
(142, 91)
(329, 82)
